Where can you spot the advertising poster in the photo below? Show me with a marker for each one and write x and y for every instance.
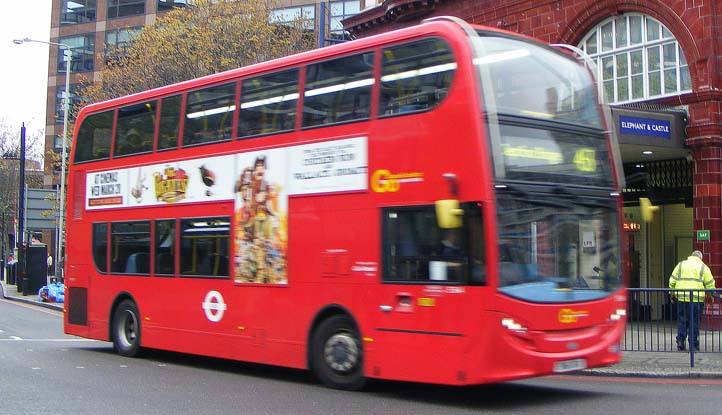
(106, 189)
(331, 166)
(202, 180)
(261, 209)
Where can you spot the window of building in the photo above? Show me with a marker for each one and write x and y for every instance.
(209, 114)
(60, 104)
(118, 41)
(268, 103)
(291, 14)
(77, 11)
(165, 5)
(339, 10)
(120, 8)
(83, 48)
(637, 59)
(338, 90)
(130, 244)
(415, 249)
(204, 246)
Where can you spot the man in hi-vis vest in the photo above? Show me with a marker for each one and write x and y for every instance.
(689, 275)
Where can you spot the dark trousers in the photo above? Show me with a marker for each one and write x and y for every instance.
(683, 321)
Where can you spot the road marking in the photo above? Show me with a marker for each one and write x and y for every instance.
(15, 338)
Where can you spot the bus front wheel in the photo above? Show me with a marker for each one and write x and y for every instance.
(125, 329)
(337, 355)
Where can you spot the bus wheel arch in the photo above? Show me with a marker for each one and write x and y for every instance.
(125, 326)
(335, 349)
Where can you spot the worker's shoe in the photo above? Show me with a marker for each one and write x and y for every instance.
(680, 346)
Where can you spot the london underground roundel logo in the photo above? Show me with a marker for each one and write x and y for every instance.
(214, 306)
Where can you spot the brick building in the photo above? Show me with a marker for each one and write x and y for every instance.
(659, 66)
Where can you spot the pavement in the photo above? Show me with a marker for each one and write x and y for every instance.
(707, 365)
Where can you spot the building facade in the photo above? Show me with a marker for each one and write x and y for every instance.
(98, 29)
(659, 67)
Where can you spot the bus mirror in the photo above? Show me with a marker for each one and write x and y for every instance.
(448, 214)
(645, 205)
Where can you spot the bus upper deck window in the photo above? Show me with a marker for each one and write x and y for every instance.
(170, 113)
(268, 103)
(136, 128)
(209, 114)
(338, 90)
(415, 76)
(93, 139)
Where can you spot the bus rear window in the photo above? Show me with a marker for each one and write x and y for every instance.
(100, 246)
(93, 140)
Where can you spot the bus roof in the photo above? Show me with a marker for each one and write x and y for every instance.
(427, 26)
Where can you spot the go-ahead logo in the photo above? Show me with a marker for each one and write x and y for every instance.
(568, 316)
(214, 306)
(383, 180)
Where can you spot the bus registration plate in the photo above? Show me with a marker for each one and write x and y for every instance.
(570, 365)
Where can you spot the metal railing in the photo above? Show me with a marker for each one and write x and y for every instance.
(653, 315)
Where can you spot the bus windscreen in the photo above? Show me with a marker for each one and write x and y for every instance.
(526, 80)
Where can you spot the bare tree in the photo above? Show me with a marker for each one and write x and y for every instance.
(10, 169)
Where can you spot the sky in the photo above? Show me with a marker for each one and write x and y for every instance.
(24, 68)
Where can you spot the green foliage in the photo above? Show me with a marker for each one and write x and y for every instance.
(209, 37)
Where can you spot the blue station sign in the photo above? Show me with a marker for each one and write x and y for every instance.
(644, 126)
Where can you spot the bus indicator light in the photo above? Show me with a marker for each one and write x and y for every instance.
(426, 302)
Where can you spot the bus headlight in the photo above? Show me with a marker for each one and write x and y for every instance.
(618, 314)
(513, 325)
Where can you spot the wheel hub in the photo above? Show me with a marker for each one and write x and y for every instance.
(341, 352)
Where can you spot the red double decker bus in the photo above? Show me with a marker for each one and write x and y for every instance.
(436, 204)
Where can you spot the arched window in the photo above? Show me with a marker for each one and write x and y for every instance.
(637, 59)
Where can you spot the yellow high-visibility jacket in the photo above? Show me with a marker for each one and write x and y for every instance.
(691, 274)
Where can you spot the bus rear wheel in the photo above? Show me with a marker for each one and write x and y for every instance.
(337, 355)
(125, 329)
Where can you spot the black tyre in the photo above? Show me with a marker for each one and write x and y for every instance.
(337, 355)
(125, 329)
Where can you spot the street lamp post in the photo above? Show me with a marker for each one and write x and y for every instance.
(59, 262)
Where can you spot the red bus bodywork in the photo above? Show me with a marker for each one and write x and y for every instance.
(446, 334)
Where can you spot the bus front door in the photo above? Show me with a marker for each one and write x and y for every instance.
(417, 324)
